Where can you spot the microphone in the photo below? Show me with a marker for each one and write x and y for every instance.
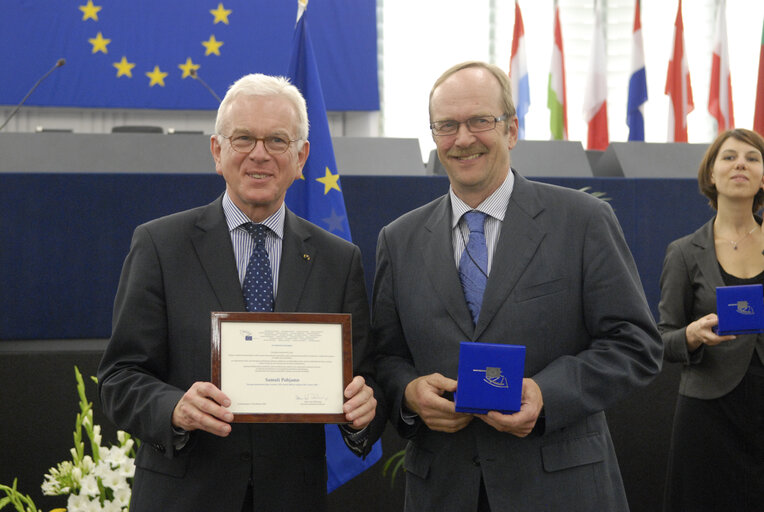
(196, 77)
(58, 64)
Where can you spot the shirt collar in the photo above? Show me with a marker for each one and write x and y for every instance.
(494, 205)
(235, 218)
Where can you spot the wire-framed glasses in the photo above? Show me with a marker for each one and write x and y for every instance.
(474, 125)
(274, 144)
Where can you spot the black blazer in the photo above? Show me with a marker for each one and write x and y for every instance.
(688, 291)
(179, 269)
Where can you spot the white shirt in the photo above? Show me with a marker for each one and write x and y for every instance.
(494, 206)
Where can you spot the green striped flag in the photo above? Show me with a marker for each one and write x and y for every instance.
(556, 100)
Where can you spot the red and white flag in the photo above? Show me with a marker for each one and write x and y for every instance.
(678, 86)
(595, 100)
(758, 113)
(720, 91)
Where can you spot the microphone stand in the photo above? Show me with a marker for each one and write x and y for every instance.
(196, 77)
(59, 63)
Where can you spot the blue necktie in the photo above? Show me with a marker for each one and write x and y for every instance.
(473, 265)
(258, 282)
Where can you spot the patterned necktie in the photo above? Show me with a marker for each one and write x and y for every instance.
(473, 265)
(258, 282)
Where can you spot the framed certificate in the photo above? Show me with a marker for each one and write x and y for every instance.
(283, 367)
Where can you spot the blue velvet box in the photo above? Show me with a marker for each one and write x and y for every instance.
(740, 309)
(490, 377)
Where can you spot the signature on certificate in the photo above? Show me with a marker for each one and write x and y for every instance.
(311, 398)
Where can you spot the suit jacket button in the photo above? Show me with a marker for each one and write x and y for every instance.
(246, 456)
(476, 460)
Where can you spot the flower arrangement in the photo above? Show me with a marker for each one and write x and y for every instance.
(99, 482)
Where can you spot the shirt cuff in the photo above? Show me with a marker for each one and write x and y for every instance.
(179, 438)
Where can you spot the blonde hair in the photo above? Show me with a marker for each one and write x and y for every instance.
(496, 71)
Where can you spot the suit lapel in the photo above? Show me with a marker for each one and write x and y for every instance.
(297, 257)
(212, 242)
(705, 254)
(438, 256)
(519, 239)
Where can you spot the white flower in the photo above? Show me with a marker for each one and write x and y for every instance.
(89, 485)
(112, 506)
(122, 495)
(97, 434)
(87, 465)
(127, 469)
(127, 445)
(76, 474)
(113, 455)
(83, 482)
(79, 503)
(109, 477)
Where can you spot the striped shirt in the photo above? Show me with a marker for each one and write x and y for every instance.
(494, 206)
(244, 244)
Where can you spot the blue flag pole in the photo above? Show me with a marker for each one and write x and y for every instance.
(317, 197)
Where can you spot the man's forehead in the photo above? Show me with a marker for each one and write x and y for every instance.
(464, 105)
(270, 113)
(472, 91)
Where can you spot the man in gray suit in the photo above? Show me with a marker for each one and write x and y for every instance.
(154, 374)
(560, 280)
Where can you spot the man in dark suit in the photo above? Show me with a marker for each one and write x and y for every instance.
(154, 374)
(559, 279)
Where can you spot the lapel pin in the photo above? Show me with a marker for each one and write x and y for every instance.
(306, 257)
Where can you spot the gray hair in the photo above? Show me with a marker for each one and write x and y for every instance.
(257, 84)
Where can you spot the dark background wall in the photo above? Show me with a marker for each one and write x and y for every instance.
(62, 241)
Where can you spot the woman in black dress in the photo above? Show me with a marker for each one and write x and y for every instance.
(716, 461)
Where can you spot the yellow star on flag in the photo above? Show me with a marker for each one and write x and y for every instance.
(212, 45)
(188, 67)
(89, 11)
(124, 68)
(221, 14)
(99, 43)
(330, 181)
(156, 76)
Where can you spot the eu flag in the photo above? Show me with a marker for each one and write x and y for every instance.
(143, 53)
(317, 196)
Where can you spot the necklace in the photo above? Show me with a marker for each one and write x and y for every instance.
(735, 242)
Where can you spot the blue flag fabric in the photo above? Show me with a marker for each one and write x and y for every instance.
(141, 53)
(637, 97)
(317, 196)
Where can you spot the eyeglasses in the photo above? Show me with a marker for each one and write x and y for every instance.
(274, 144)
(474, 125)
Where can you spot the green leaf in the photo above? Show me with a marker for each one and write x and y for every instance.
(396, 460)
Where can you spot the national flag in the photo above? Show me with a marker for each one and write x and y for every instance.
(518, 72)
(758, 115)
(317, 197)
(635, 119)
(556, 98)
(720, 91)
(595, 100)
(678, 86)
(143, 53)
